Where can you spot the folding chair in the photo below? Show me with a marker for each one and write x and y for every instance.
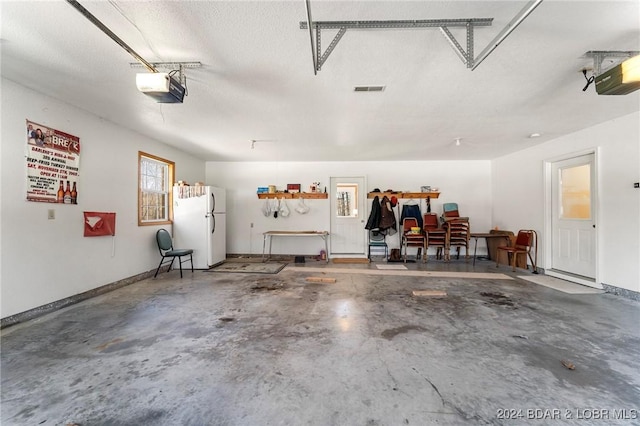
(165, 246)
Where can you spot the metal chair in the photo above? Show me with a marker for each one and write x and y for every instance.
(377, 239)
(450, 210)
(435, 234)
(412, 239)
(458, 235)
(458, 230)
(165, 246)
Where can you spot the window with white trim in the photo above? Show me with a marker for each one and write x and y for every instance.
(155, 180)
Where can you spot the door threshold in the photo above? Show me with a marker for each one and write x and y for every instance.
(578, 279)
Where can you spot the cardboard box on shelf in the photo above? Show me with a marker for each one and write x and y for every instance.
(293, 188)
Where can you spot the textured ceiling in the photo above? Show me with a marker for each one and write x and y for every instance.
(257, 80)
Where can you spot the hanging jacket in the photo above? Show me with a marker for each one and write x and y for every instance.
(388, 225)
(373, 223)
(411, 210)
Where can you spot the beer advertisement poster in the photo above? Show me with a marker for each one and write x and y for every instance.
(53, 164)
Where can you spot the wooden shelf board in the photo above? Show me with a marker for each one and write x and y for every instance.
(288, 195)
(405, 195)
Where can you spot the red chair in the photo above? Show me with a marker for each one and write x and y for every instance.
(435, 234)
(527, 243)
(458, 230)
(413, 239)
(458, 235)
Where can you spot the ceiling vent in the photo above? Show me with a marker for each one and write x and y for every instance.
(368, 88)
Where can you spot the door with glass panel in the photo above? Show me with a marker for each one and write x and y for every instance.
(348, 237)
(573, 193)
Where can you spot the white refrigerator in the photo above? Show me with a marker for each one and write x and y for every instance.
(199, 223)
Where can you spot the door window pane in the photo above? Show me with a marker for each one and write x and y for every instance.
(347, 200)
(575, 192)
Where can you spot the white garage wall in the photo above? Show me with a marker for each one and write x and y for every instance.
(518, 194)
(465, 182)
(47, 260)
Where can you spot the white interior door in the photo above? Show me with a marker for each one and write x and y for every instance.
(348, 237)
(573, 195)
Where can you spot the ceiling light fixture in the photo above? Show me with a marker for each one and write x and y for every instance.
(458, 141)
(534, 135)
(165, 87)
(622, 79)
(161, 86)
(631, 70)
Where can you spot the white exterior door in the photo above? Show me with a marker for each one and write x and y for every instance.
(348, 237)
(573, 195)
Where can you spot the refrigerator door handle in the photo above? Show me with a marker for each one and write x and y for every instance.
(213, 228)
(213, 202)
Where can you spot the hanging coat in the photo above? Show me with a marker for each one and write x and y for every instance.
(411, 210)
(373, 223)
(388, 225)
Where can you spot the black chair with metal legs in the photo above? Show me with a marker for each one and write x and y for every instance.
(165, 246)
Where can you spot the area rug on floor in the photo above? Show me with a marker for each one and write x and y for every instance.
(249, 268)
(396, 267)
(560, 285)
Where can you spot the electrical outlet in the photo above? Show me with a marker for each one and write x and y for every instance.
(51, 214)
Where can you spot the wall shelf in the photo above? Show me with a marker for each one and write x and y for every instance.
(405, 195)
(289, 195)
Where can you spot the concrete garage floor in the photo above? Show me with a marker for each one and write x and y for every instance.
(259, 349)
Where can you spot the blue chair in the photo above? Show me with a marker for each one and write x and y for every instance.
(165, 246)
(377, 239)
(450, 210)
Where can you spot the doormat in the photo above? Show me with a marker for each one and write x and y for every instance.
(560, 285)
(396, 267)
(350, 260)
(249, 268)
